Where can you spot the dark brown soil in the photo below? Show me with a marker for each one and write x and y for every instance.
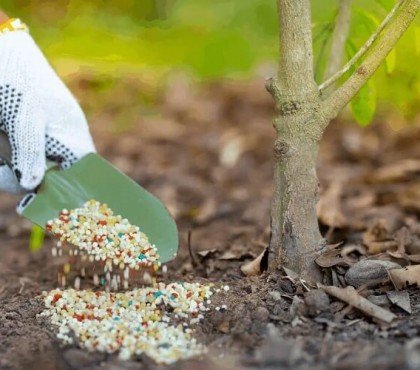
(206, 152)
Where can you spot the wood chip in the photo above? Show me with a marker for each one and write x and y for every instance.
(350, 296)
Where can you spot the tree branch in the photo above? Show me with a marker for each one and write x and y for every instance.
(384, 43)
(338, 74)
(339, 37)
(296, 75)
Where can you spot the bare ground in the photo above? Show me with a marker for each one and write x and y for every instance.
(207, 154)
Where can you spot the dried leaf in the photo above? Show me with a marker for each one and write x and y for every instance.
(332, 257)
(410, 197)
(229, 255)
(329, 206)
(406, 276)
(396, 171)
(398, 255)
(255, 267)
(414, 246)
(379, 231)
(291, 274)
(403, 238)
(379, 247)
(400, 299)
(414, 257)
(353, 298)
(348, 249)
(207, 253)
(377, 238)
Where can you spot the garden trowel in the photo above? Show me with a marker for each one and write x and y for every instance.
(92, 177)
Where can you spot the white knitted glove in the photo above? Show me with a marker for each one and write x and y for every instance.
(38, 113)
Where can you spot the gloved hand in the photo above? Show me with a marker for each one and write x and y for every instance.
(38, 113)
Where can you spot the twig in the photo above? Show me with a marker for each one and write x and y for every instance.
(194, 260)
(354, 299)
(337, 75)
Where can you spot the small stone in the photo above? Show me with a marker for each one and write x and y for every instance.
(317, 302)
(369, 271)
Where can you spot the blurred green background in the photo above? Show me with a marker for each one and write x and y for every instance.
(209, 39)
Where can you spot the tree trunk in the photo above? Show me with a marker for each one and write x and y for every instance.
(295, 231)
(295, 236)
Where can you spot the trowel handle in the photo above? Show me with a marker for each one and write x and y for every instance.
(5, 150)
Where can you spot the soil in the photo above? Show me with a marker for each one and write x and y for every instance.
(205, 150)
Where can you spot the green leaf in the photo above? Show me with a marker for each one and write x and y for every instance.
(351, 49)
(363, 105)
(36, 239)
(390, 61)
(370, 20)
(417, 38)
(386, 4)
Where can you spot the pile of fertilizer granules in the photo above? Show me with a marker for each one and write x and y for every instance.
(155, 320)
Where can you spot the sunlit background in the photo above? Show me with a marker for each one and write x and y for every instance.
(218, 39)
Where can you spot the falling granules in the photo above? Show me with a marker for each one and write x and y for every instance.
(155, 321)
(93, 233)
